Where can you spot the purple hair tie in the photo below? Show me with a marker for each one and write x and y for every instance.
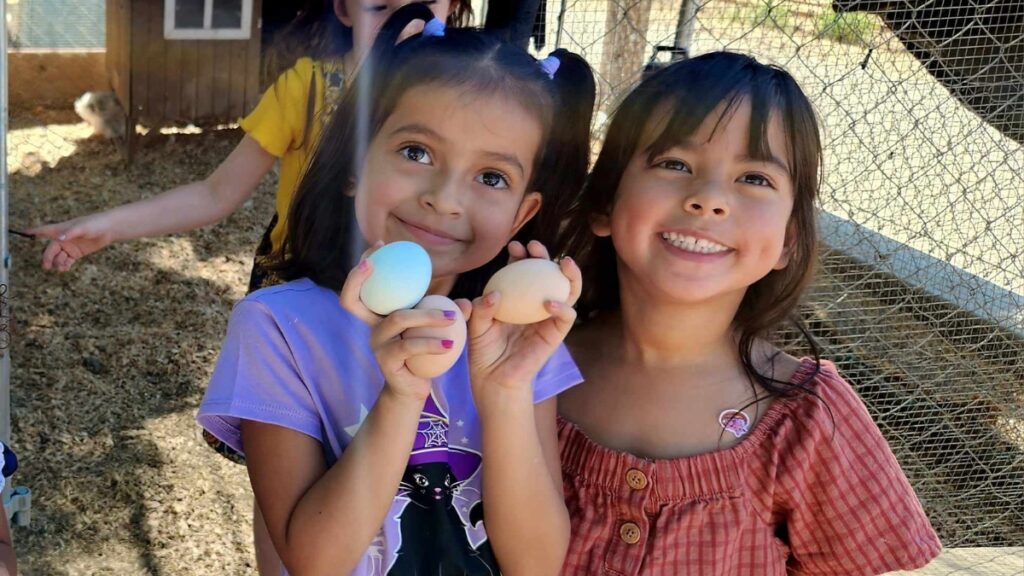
(435, 27)
(550, 65)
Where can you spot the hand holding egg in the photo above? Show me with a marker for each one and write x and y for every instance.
(433, 365)
(539, 295)
(392, 279)
(525, 287)
(401, 275)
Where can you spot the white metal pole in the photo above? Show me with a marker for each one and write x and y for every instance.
(5, 392)
(17, 500)
(684, 28)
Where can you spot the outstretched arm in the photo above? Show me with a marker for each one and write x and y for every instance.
(180, 209)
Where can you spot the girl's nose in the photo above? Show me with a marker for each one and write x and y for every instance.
(442, 198)
(707, 201)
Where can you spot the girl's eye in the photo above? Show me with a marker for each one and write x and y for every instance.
(756, 180)
(421, 479)
(493, 180)
(675, 165)
(415, 153)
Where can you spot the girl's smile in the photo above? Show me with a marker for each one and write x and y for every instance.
(427, 236)
(694, 245)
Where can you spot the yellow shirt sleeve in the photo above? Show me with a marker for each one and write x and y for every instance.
(278, 123)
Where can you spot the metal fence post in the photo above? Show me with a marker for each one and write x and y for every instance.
(684, 28)
(17, 500)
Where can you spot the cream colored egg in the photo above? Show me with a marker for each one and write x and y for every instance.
(434, 365)
(525, 286)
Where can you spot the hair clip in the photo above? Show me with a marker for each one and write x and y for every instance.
(550, 65)
(435, 27)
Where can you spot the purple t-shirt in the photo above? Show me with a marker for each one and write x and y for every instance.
(295, 358)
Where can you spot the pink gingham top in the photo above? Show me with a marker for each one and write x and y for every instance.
(797, 494)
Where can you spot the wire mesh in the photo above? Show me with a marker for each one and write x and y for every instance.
(31, 25)
(920, 295)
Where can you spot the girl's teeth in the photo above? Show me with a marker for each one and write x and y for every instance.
(691, 244)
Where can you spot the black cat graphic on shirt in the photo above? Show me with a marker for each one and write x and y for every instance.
(434, 539)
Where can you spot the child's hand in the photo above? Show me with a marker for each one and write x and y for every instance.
(390, 349)
(508, 355)
(73, 240)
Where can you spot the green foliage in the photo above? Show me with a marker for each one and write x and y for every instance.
(856, 28)
(774, 13)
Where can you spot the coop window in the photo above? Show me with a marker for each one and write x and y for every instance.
(207, 19)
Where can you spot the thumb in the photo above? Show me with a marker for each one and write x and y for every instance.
(466, 307)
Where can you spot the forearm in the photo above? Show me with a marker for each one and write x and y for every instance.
(180, 209)
(335, 521)
(197, 204)
(526, 518)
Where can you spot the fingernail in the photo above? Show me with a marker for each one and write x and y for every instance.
(567, 259)
(554, 305)
(449, 314)
(489, 299)
(447, 344)
(62, 237)
(363, 265)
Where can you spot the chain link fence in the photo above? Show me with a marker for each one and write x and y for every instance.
(920, 296)
(919, 299)
(32, 25)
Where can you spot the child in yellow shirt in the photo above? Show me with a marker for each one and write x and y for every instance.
(300, 100)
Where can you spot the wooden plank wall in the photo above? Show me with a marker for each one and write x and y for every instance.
(118, 41)
(189, 80)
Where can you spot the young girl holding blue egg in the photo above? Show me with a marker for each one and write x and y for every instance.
(695, 446)
(358, 465)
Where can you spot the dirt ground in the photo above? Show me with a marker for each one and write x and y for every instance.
(109, 363)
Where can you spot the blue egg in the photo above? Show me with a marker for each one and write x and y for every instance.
(401, 275)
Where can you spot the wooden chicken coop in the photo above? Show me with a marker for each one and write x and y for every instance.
(179, 61)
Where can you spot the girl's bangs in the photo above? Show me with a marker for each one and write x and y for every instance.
(684, 107)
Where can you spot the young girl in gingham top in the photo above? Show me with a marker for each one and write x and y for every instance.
(694, 446)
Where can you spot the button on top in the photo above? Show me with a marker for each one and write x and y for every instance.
(636, 479)
(630, 533)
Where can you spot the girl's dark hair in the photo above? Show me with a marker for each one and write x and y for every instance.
(675, 101)
(323, 240)
(317, 33)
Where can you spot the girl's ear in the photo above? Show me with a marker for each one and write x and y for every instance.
(789, 244)
(528, 208)
(341, 11)
(601, 225)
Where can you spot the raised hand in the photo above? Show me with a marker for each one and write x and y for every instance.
(510, 356)
(389, 347)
